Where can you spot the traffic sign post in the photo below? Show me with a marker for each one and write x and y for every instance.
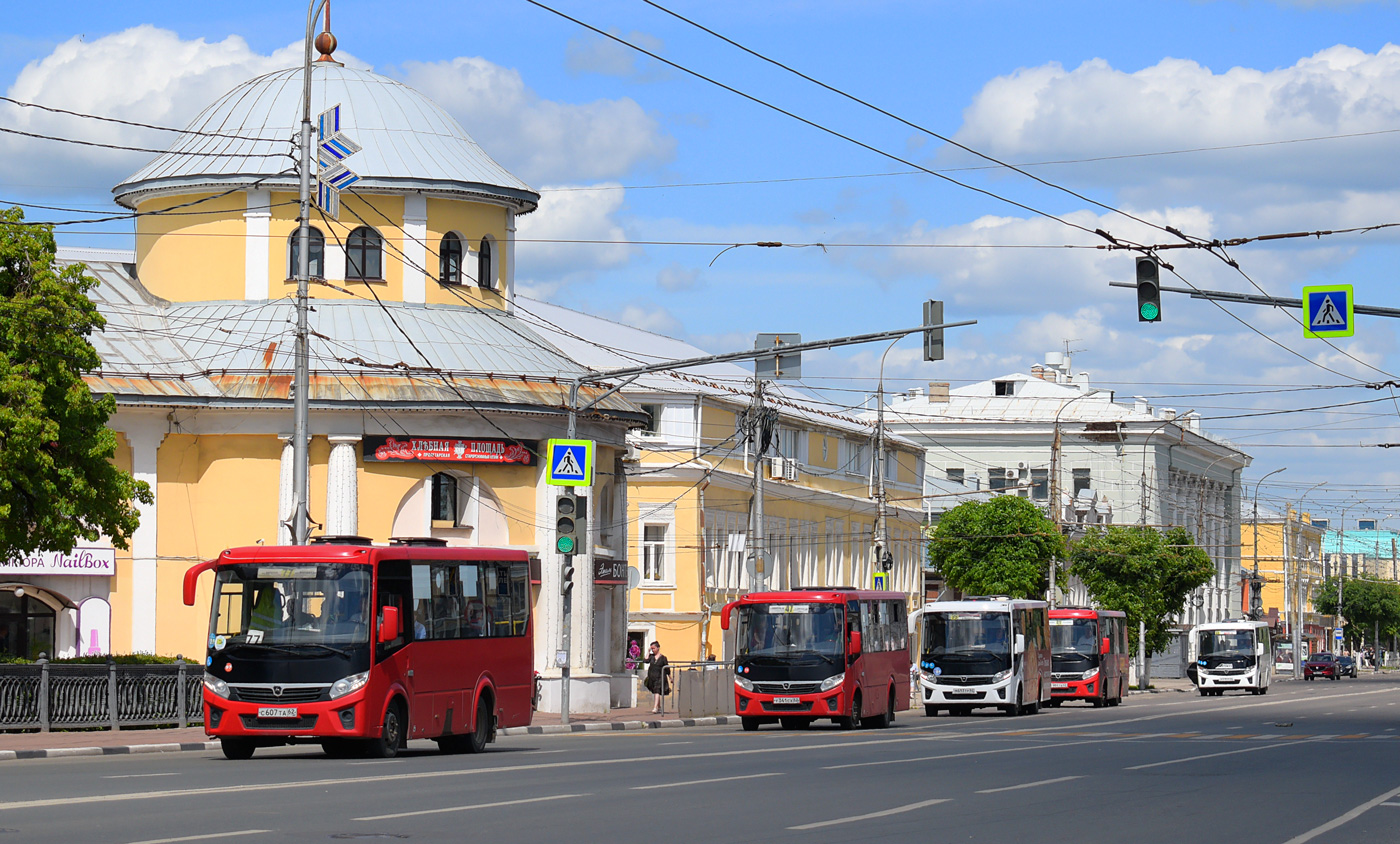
(1329, 310)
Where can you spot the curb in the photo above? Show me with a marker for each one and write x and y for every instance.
(123, 750)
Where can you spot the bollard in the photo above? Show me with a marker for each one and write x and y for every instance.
(43, 699)
(112, 693)
(180, 689)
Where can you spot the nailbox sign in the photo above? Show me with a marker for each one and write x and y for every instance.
(448, 449)
(94, 562)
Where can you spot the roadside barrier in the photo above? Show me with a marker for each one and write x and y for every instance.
(47, 697)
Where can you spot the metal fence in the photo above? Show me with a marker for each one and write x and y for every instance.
(46, 697)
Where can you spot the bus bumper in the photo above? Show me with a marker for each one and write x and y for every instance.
(830, 704)
(1247, 680)
(995, 694)
(1075, 689)
(344, 717)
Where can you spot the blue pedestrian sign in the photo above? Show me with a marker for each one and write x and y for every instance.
(1329, 310)
(1338, 634)
(569, 463)
(881, 581)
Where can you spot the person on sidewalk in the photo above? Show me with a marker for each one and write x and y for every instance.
(658, 680)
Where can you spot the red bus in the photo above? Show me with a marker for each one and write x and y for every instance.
(1089, 656)
(831, 653)
(360, 647)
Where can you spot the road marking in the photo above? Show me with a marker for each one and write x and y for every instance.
(138, 776)
(1338, 821)
(469, 808)
(897, 810)
(1206, 756)
(703, 782)
(1028, 785)
(1391, 804)
(205, 837)
(673, 743)
(378, 762)
(964, 754)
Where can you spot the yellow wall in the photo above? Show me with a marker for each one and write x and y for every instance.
(472, 221)
(193, 253)
(384, 214)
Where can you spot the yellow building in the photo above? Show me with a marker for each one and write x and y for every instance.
(1288, 552)
(430, 400)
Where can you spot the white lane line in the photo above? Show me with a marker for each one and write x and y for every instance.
(971, 753)
(1338, 821)
(471, 807)
(1390, 804)
(897, 810)
(703, 782)
(378, 762)
(673, 743)
(1212, 755)
(206, 837)
(139, 776)
(1028, 785)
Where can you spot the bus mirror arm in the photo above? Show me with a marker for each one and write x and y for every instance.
(192, 579)
(724, 615)
(389, 625)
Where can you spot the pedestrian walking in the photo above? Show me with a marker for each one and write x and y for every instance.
(658, 680)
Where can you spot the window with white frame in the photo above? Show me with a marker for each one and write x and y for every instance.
(788, 443)
(654, 553)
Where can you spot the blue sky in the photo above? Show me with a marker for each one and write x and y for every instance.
(1222, 119)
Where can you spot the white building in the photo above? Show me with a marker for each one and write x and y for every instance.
(1115, 463)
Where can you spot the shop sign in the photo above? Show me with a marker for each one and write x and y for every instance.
(609, 572)
(93, 562)
(448, 450)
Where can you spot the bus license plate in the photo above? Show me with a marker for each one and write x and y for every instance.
(277, 712)
(788, 700)
(1055, 687)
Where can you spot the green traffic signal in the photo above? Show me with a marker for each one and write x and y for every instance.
(1149, 312)
(564, 545)
(1149, 289)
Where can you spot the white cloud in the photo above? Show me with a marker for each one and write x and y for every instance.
(604, 56)
(537, 139)
(573, 232)
(674, 277)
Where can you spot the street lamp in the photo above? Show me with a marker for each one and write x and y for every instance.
(1295, 624)
(881, 544)
(1146, 441)
(1254, 580)
(1055, 492)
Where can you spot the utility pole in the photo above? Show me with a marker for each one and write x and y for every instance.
(757, 541)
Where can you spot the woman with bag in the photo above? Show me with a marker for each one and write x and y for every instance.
(658, 680)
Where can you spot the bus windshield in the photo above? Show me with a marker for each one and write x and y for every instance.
(281, 607)
(1227, 643)
(790, 629)
(1074, 636)
(968, 642)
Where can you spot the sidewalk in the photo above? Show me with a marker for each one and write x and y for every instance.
(109, 742)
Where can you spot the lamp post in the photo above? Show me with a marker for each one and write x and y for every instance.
(1294, 607)
(1055, 492)
(881, 541)
(1146, 441)
(1254, 580)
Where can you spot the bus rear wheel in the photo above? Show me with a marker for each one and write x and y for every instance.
(238, 748)
(884, 719)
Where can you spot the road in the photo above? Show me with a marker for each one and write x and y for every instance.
(1308, 762)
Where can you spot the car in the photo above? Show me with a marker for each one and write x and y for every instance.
(1321, 664)
(1346, 666)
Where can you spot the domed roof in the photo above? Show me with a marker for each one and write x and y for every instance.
(247, 138)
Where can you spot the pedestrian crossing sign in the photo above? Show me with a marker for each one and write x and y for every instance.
(569, 463)
(1329, 311)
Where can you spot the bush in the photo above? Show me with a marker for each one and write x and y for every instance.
(120, 659)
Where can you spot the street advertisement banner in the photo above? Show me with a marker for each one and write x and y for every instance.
(447, 450)
(91, 562)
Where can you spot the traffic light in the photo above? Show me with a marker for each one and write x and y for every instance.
(566, 575)
(566, 528)
(933, 337)
(1149, 289)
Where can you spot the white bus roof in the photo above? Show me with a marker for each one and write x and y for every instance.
(994, 605)
(1243, 624)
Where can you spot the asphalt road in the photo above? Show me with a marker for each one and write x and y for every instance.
(1307, 762)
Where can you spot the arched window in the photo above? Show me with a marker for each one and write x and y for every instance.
(364, 255)
(317, 263)
(444, 500)
(485, 265)
(450, 259)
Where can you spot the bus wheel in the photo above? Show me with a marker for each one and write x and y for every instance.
(930, 710)
(749, 724)
(484, 731)
(884, 719)
(391, 736)
(795, 723)
(338, 748)
(238, 748)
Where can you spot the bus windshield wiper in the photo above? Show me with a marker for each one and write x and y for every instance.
(260, 646)
(317, 645)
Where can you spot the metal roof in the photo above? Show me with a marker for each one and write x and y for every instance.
(246, 138)
(360, 351)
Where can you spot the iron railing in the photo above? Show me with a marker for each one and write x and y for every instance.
(45, 696)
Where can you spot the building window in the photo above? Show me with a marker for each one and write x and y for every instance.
(1004, 388)
(955, 476)
(26, 625)
(1365, 524)
(654, 553)
(996, 478)
(653, 412)
(444, 505)
(486, 265)
(364, 255)
(1040, 484)
(317, 264)
(450, 259)
(1081, 481)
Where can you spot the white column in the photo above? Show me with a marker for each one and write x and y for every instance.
(145, 437)
(342, 487)
(415, 249)
(508, 278)
(284, 490)
(257, 245)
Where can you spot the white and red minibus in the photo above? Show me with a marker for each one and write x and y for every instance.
(980, 652)
(1088, 655)
(809, 654)
(361, 647)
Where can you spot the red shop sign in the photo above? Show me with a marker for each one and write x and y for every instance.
(448, 450)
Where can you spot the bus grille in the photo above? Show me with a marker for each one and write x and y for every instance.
(769, 706)
(770, 687)
(252, 722)
(971, 680)
(268, 693)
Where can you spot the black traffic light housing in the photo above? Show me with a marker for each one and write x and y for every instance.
(1149, 289)
(566, 511)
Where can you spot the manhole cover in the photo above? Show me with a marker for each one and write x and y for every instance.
(369, 835)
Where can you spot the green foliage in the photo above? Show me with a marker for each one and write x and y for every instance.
(1142, 572)
(999, 547)
(119, 659)
(58, 484)
(1365, 604)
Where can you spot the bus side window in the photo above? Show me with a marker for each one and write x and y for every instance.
(395, 589)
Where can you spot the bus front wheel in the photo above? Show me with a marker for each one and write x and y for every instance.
(238, 748)
(930, 711)
(749, 724)
(391, 735)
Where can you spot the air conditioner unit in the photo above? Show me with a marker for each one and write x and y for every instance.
(634, 454)
(1012, 474)
(790, 469)
(776, 467)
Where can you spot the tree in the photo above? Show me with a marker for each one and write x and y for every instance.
(1370, 607)
(1143, 572)
(58, 483)
(999, 547)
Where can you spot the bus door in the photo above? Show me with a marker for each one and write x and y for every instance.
(393, 659)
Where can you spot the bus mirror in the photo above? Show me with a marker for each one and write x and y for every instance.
(724, 616)
(1258, 648)
(192, 580)
(1020, 643)
(853, 648)
(389, 625)
(1103, 646)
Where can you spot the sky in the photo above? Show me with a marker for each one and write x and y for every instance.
(1220, 120)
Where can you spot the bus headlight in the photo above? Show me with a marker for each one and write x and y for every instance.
(743, 683)
(832, 682)
(1001, 675)
(346, 685)
(215, 685)
(1090, 674)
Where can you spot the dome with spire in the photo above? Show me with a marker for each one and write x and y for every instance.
(247, 140)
